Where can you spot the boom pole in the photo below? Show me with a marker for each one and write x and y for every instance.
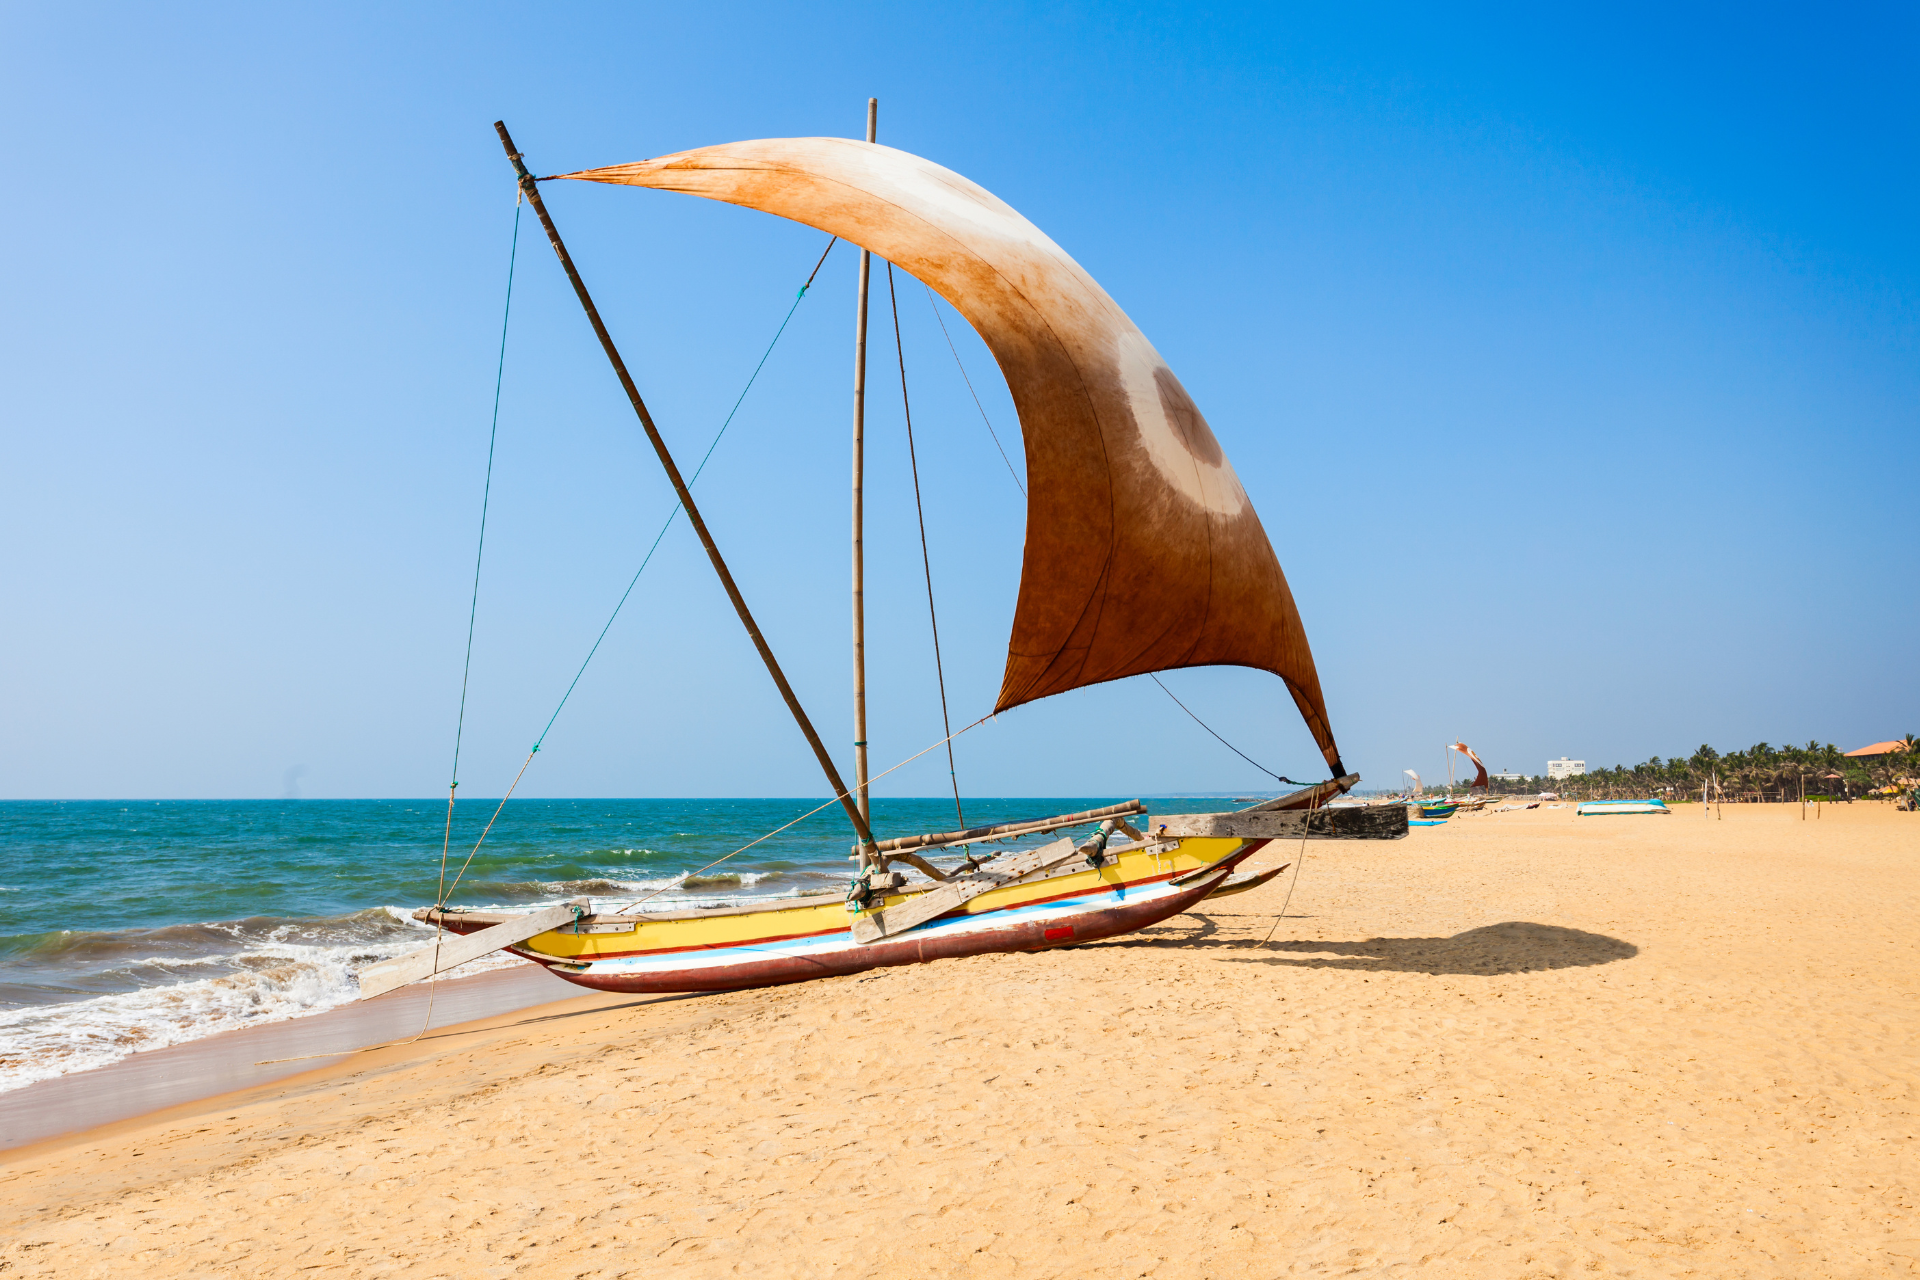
(530, 189)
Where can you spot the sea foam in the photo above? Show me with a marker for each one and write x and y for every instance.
(268, 976)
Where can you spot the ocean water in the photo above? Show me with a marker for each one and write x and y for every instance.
(128, 925)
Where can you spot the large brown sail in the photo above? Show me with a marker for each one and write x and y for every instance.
(1142, 551)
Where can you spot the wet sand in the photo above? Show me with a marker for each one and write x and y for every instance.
(1516, 1045)
(237, 1060)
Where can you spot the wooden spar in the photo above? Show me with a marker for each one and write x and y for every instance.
(1031, 826)
(531, 191)
(453, 949)
(859, 526)
(1372, 822)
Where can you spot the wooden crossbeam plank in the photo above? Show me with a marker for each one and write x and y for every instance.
(1375, 822)
(1008, 830)
(453, 950)
(937, 901)
(1308, 797)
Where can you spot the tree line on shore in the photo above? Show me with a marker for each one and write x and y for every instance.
(1760, 773)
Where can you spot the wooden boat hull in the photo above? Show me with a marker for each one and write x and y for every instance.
(682, 955)
(1605, 808)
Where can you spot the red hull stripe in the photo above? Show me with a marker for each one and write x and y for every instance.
(456, 926)
(1032, 935)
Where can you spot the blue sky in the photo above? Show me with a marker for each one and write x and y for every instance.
(1569, 357)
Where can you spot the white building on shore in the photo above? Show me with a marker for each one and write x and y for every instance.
(1565, 768)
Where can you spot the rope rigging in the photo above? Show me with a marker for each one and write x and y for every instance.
(970, 391)
(946, 741)
(926, 561)
(486, 497)
(671, 515)
(1299, 861)
(1223, 742)
(473, 604)
(447, 889)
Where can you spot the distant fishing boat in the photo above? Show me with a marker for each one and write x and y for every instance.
(1601, 808)
(1143, 554)
(1479, 782)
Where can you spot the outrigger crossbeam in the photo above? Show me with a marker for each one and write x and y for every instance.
(1008, 830)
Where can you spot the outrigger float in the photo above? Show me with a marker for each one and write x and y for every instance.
(1143, 554)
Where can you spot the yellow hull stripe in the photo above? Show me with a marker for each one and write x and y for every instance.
(1129, 867)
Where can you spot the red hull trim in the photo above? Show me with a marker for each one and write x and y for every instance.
(464, 927)
(1034, 935)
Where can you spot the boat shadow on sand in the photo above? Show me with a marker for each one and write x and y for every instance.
(1513, 946)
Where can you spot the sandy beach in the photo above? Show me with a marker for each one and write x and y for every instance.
(1516, 1045)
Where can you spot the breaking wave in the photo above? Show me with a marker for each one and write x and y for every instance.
(75, 999)
(205, 916)
(83, 999)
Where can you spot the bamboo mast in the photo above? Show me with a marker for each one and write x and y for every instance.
(531, 191)
(860, 773)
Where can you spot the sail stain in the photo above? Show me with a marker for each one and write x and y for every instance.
(1143, 552)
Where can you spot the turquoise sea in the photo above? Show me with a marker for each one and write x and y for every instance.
(133, 924)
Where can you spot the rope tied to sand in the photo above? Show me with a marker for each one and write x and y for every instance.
(1300, 861)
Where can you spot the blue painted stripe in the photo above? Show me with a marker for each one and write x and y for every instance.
(1092, 900)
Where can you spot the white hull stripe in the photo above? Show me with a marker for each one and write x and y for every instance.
(838, 943)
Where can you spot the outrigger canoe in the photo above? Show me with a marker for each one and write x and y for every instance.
(729, 948)
(1142, 554)
(1059, 894)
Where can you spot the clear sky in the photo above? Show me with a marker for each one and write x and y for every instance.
(1569, 355)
